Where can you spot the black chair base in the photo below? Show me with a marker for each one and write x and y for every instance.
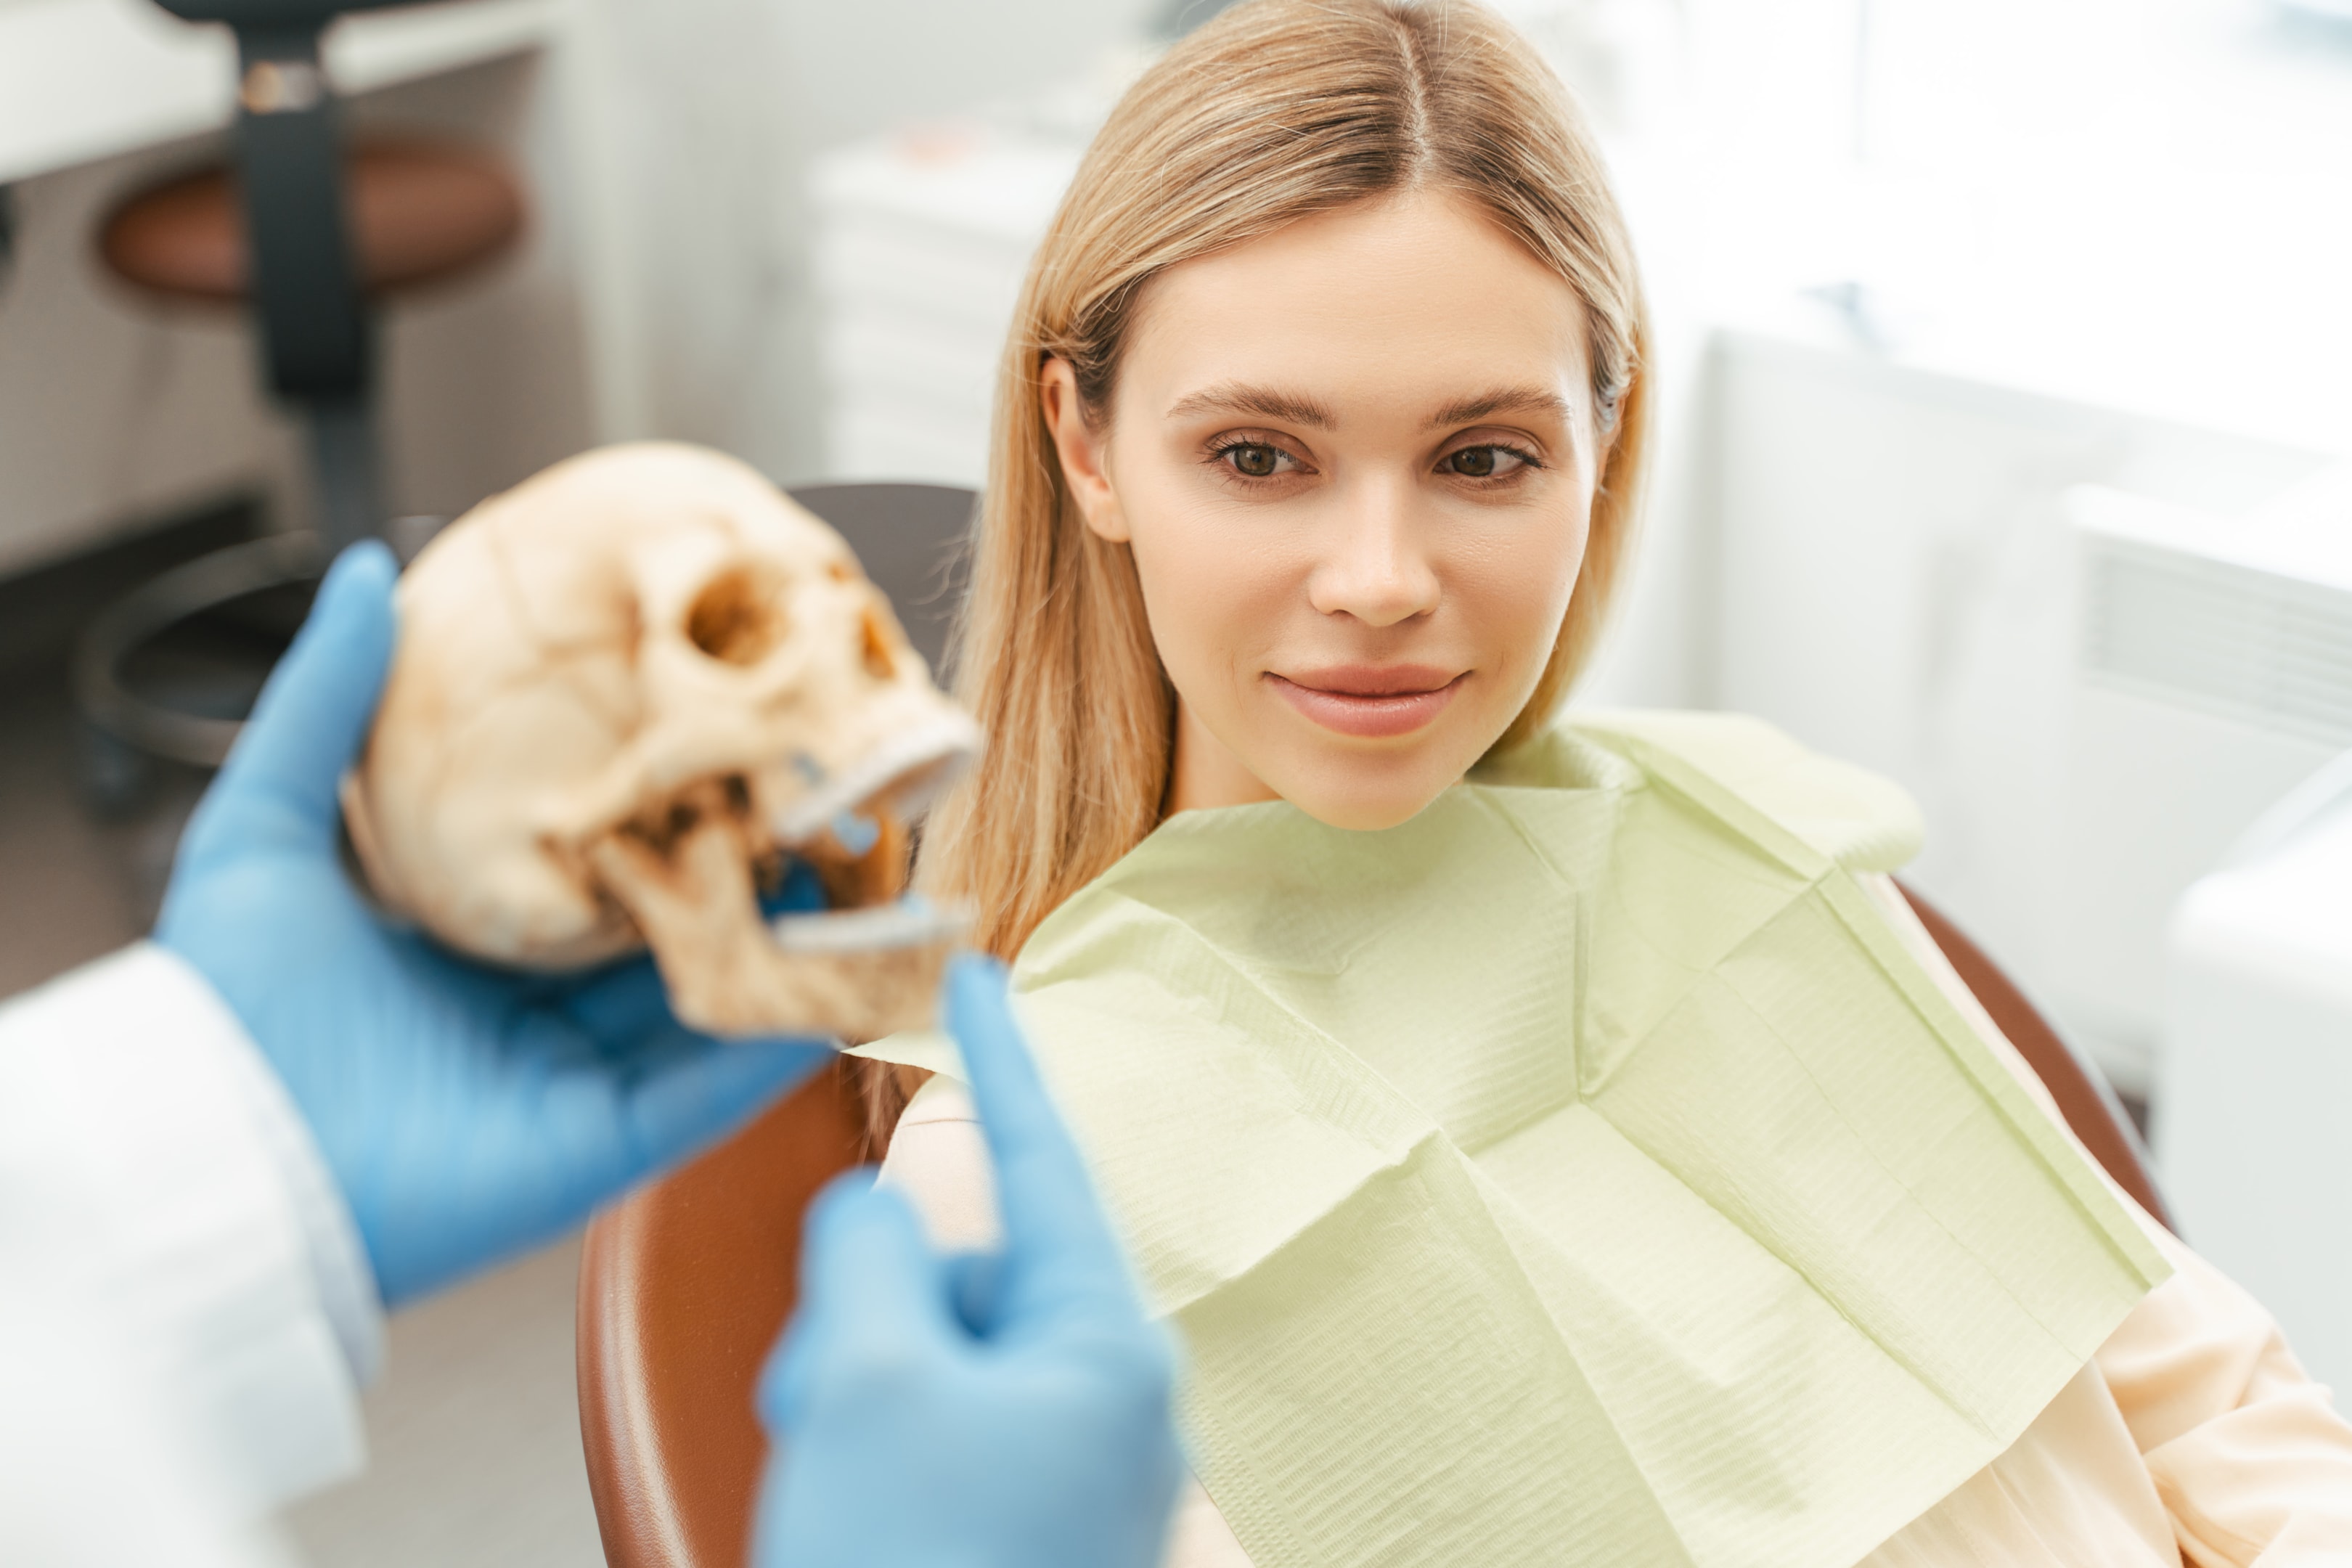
(171, 668)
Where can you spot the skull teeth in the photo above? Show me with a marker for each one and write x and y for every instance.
(912, 921)
(908, 770)
(857, 835)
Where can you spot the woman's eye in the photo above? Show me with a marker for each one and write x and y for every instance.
(1254, 459)
(1483, 462)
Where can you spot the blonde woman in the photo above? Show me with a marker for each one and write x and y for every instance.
(1554, 1143)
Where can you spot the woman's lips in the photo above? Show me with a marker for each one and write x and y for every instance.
(1371, 700)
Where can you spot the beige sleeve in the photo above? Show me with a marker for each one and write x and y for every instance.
(939, 1162)
(2251, 1459)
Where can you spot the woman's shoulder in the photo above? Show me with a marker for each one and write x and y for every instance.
(939, 1162)
(1863, 820)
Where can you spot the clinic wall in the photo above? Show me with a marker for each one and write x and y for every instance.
(111, 413)
(697, 119)
(1884, 547)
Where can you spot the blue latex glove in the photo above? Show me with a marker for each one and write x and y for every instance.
(466, 1113)
(1012, 1411)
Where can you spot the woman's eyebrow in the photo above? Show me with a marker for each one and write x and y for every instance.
(1266, 403)
(1500, 400)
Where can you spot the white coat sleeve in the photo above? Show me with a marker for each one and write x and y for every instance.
(161, 1199)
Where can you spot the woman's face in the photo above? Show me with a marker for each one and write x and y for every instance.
(1355, 461)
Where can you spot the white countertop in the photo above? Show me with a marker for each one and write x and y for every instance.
(83, 79)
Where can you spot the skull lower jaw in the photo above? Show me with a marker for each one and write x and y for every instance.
(724, 970)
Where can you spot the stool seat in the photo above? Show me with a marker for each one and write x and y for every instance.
(421, 213)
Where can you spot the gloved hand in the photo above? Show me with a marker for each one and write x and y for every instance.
(1012, 1411)
(466, 1113)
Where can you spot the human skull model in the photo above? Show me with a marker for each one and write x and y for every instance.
(625, 691)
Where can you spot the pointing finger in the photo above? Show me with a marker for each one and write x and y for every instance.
(1059, 1244)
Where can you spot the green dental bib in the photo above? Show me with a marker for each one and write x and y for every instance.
(1580, 1172)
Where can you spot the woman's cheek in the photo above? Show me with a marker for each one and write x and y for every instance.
(1193, 591)
(1524, 603)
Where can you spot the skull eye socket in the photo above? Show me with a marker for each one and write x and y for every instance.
(877, 651)
(739, 617)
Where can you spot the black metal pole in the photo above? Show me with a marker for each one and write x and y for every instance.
(304, 285)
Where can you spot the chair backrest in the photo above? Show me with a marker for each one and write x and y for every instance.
(684, 1288)
(909, 538)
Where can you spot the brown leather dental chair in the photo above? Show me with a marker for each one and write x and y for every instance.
(684, 1288)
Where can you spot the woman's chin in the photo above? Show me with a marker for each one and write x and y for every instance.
(1368, 816)
(1361, 796)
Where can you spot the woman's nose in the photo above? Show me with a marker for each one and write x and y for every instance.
(1375, 568)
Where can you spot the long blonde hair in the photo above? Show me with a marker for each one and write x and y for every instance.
(1275, 111)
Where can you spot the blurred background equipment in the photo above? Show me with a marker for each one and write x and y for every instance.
(301, 231)
(2211, 673)
(919, 245)
(2256, 1117)
(2255, 1122)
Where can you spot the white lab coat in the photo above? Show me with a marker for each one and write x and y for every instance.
(186, 1313)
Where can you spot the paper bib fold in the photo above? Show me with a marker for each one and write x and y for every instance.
(1580, 1172)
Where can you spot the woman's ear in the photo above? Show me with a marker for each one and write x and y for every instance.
(1082, 451)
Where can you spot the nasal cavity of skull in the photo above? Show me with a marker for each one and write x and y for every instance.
(878, 662)
(739, 617)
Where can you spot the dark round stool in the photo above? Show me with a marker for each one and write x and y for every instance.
(171, 670)
(421, 213)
